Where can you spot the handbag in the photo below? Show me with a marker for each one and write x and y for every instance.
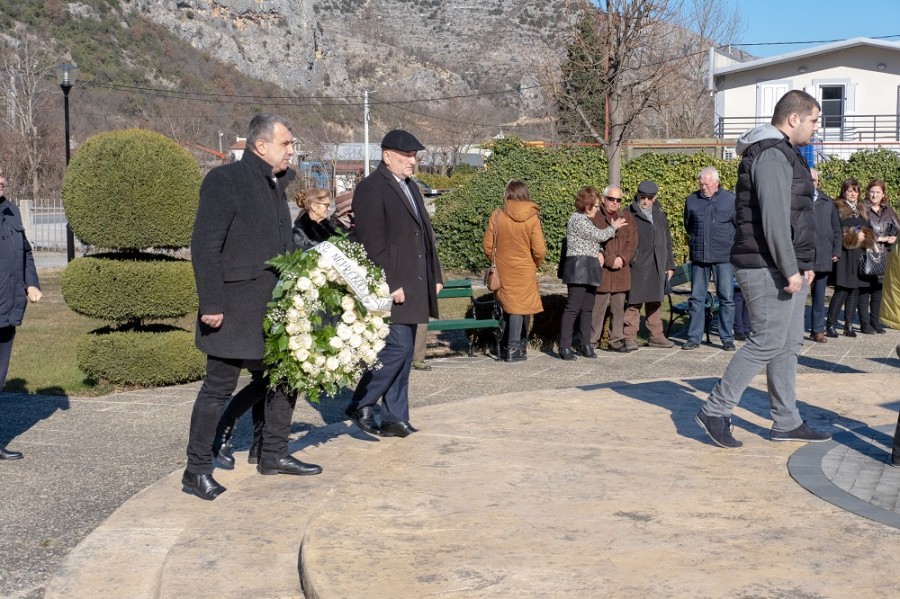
(492, 275)
(873, 263)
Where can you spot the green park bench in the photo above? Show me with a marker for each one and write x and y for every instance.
(457, 288)
(681, 276)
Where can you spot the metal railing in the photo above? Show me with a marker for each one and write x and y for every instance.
(45, 224)
(839, 128)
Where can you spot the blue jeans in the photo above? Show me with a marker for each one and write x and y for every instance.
(819, 285)
(777, 318)
(722, 272)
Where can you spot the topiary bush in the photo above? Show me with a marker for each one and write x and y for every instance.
(148, 358)
(132, 189)
(129, 191)
(132, 288)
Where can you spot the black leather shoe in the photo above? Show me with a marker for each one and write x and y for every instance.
(849, 332)
(223, 449)
(880, 330)
(364, 418)
(587, 351)
(867, 330)
(689, 345)
(203, 486)
(287, 465)
(396, 429)
(6, 454)
(567, 354)
(830, 331)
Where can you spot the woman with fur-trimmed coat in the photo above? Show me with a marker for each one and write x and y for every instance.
(857, 236)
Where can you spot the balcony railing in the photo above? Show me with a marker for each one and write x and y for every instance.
(848, 128)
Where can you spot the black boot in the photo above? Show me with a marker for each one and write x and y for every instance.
(513, 352)
(259, 421)
(6, 454)
(223, 449)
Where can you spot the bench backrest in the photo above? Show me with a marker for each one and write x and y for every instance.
(681, 275)
(449, 292)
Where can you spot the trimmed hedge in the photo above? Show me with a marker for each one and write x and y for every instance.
(132, 189)
(131, 288)
(147, 359)
(554, 175)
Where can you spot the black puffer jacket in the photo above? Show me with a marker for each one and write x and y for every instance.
(17, 270)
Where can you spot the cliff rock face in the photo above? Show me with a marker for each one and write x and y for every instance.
(341, 47)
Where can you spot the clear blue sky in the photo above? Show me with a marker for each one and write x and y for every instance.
(802, 20)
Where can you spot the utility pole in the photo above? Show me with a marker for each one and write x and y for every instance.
(366, 132)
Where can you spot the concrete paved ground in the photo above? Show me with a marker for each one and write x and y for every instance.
(85, 457)
(593, 487)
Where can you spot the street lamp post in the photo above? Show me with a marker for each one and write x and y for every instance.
(65, 74)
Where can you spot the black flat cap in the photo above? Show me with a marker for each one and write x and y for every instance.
(402, 141)
(648, 188)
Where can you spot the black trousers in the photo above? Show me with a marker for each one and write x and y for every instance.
(7, 335)
(579, 301)
(846, 298)
(221, 379)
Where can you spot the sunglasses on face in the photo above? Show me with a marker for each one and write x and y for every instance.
(612, 199)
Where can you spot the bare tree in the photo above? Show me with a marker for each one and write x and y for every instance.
(635, 66)
(25, 84)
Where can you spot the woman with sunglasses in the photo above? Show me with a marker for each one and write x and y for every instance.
(581, 271)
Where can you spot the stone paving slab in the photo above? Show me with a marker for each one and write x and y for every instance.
(600, 490)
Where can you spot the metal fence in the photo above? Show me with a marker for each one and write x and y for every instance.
(836, 128)
(45, 224)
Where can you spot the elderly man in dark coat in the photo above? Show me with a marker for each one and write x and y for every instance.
(651, 267)
(242, 221)
(394, 227)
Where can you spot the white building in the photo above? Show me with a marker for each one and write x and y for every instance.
(856, 81)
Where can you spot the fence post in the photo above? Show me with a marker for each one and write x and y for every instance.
(27, 217)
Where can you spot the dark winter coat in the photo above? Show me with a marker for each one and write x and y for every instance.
(884, 223)
(17, 271)
(399, 242)
(307, 232)
(242, 221)
(623, 245)
(653, 256)
(828, 233)
(709, 224)
(846, 270)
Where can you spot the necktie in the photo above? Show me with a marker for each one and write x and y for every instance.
(409, 196)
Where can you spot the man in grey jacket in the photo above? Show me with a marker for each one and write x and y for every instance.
(774, 259)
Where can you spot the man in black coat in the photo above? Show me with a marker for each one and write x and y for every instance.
(393, 225)
(829, 237)
(242, 221)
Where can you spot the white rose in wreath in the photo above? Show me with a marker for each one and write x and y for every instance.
(344, 332)
(336, 342)
(349, 317)
(354, 341)
(301, 355)
(348, 302)
(332, 363)
(304, 284)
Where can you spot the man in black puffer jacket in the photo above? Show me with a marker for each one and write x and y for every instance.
(774, 259)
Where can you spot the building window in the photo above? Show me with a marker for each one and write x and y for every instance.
(832, 105)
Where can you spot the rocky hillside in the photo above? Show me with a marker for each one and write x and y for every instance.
(342, 47)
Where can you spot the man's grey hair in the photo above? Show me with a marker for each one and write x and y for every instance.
(711, 172)
(263, 127)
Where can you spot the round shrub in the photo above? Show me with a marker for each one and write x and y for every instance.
(132, 189)
(129, 287)
(146, 359)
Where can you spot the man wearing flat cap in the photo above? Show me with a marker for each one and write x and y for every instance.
(393, 225)
(651, 266)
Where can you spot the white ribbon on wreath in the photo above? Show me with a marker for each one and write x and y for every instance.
(350, 272)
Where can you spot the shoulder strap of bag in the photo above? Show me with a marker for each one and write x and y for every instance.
(495, 218)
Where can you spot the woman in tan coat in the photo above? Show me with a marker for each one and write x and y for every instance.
(520, 250)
